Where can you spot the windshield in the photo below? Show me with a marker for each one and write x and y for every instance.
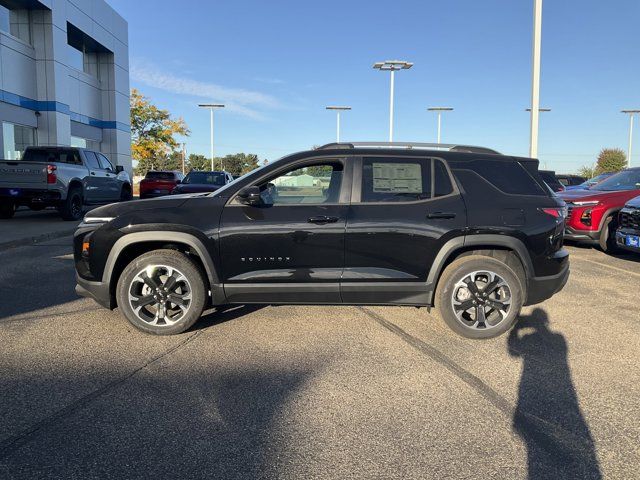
(625, 180)
(159, 175)
(205, 178)
(235, 180)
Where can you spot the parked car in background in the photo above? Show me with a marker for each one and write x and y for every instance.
(197, 182)
(550, 179)
(159, 182)
(63, 177)
(628, 233)
(476, 234)
(593, 213)
(570, 180)
(591, 182)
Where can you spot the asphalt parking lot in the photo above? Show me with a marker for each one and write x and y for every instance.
(317, 392)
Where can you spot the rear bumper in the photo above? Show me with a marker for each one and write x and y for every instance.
(542, 288)
(97, 291)
(30, 196)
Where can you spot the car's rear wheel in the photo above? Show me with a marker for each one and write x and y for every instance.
(161, 292)
(479, 297)
(72, 207)
(7, 209)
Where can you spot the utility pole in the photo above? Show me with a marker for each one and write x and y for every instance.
(535, 78)
(184, 146)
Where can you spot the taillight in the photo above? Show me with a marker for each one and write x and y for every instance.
(51, 174)
(556, 212)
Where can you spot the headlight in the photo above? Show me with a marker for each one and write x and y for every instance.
(94, 221)
(591, 203)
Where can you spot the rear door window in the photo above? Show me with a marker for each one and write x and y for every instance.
(390, 179)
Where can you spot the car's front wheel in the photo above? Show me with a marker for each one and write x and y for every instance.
(161, 292)
(479, 296)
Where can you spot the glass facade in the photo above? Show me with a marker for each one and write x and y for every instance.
(15, 139)
(85, 143)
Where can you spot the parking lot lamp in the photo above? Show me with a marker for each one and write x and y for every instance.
(338, 109)
(631, 114)
(211, 107)
(439, 110)
(392, 66)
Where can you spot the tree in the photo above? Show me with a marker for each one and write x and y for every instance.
(587, 172)
(152, 133)
(239, 163)
(198, 162)
(611, 160)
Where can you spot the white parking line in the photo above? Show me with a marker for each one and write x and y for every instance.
(573, 255)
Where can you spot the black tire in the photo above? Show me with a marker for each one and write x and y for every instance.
(72, 207)
(126, 193)
(451, 289)
(607, 239)
(161, 316)
(7, 209)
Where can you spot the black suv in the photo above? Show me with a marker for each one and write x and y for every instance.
(467, 230)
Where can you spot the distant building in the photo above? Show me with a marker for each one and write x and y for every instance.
(64, 77)
(303, 180)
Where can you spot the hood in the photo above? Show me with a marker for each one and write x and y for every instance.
(634, 202)
(117, 209)
(195, 188)
(589, 195)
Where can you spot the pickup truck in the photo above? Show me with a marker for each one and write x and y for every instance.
(66, 178)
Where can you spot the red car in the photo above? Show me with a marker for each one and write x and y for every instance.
(159, 183)
(593, 212)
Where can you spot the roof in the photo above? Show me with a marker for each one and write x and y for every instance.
(450, 147)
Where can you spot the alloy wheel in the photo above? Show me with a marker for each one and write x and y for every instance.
(481, 300)
(160, 295)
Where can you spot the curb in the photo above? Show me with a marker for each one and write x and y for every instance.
(36, 239)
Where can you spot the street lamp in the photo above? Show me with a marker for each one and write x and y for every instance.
(631, 113)
(392, 66)
(211, 107)
(535, 78)
(439, 110)
(338, 109)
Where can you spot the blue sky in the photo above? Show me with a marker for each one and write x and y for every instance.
(277, 64)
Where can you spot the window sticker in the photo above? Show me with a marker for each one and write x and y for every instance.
(397, 177)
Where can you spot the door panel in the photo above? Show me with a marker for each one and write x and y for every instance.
(290, 249)
(94, 191)
(111, 182)
(390, 245)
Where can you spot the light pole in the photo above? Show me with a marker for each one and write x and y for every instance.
(631, 114)
(338, 109)
(211, 107)
(541, 109)
(535, 78)
(392, 66)
(439, 110)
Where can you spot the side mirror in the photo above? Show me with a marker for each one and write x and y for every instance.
(250, 196)
(119, 168)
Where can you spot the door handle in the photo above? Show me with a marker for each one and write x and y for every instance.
(322, 219)
(93, 173)
(442, 215)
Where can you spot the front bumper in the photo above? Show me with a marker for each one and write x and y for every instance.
(620, 240)
(581, 236)
(97, 291)
(542, 288)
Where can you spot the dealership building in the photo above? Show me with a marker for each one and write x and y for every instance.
(64, 77)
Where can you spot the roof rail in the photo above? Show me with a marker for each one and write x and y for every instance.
(451, 147)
